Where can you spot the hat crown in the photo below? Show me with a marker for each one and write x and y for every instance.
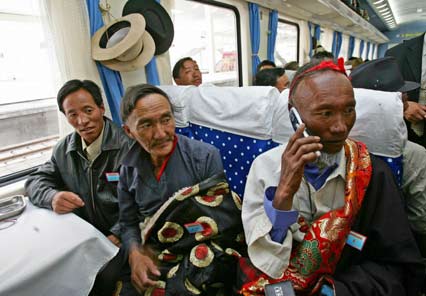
(380, 74)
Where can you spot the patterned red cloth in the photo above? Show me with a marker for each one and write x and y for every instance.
(314, 260)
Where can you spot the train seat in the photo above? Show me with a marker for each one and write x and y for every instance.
(237, 120)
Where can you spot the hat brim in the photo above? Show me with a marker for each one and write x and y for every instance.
(409, 86)
(158, 22)
(140, 61)
(137, 28)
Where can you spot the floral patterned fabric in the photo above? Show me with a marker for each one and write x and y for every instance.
(197, 237)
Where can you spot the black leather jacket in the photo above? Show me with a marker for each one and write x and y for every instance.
(69, 170)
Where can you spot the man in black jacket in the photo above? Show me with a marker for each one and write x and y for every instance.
(411, 57)
(82, 174)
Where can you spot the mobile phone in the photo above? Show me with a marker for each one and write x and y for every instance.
(296, 121)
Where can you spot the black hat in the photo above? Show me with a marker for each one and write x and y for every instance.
(381, 74)
(158, 22)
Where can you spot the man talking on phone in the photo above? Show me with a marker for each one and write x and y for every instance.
(329, 223)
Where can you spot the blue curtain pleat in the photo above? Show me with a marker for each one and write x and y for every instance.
(339, 44)
(334, 44)
(368, 50)
(254, 19)
(272, 36)
(111, 80)
(361, 48)
(310, 39)
(351, 46)
(317, 33)
(151, 70)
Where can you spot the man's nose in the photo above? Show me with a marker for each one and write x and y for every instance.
(339, 125)
(82, 119)
(159, 131)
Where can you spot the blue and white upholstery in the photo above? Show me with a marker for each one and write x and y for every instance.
(237, 120)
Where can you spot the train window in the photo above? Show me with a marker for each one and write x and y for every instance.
(28, 112)
(208, 32)
(287, 43)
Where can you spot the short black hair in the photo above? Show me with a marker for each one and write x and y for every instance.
(179, 65)
(322, 55)
(269, 77)
(74, 85)
(134, 94)
(265, 63)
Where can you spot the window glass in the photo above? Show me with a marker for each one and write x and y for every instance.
(28, 112)
(286, 44)
(208, 34)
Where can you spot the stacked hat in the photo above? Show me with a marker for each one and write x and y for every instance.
(158, 22)
(123, 45)
(131, 41)
(381, 74)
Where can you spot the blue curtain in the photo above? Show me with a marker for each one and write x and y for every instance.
(254, 35)
(310, 39)
(338, 44)
(272, 33)
(351, 46)
(368, 50)
(361, 48)
(151, 70)
(111, 80)
(317, 33)
(334, 44)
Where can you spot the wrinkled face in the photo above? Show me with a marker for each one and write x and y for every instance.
(189, 74)
(152, 125)
(84, 115)
(282, 82)
(326, 104)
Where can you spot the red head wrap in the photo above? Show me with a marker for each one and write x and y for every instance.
(323, 65)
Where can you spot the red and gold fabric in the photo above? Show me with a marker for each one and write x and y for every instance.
(314, 260)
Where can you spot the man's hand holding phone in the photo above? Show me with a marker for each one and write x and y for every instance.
(301, 149)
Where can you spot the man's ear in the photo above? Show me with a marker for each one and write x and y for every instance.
(102, 107)
(127, 131)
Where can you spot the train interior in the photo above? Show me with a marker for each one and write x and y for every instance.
(47, 42)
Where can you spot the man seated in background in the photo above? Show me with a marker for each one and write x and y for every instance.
(322, 56)
(186, 72)
(265, 64)
(334, 221)
(160, 164)
(383, 74)
(293, 65)
(354, 62)
(272, 77)
(82, 174)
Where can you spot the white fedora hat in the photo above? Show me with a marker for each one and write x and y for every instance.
(123, 45)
